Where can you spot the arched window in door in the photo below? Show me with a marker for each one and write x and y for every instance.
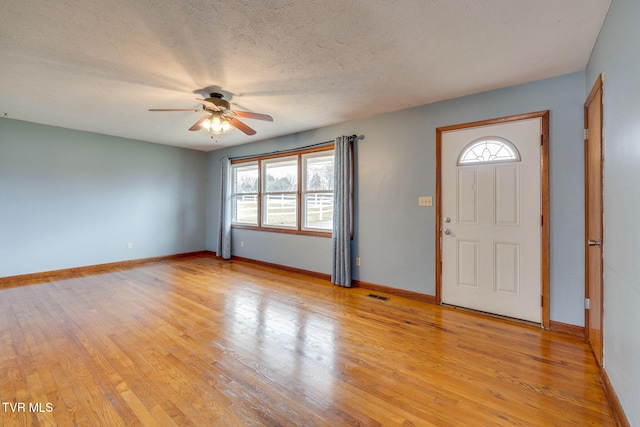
(490, 149)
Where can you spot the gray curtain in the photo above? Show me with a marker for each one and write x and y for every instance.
(224, 220)
(342, 212)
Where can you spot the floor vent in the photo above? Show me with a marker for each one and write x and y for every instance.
(378, 297)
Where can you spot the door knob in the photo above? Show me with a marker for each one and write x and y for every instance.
(593, 242)
(447, 219)
(447, 231)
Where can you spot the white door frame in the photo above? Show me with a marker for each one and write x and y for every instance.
(544, 202)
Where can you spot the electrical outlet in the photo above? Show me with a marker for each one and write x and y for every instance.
(242, 243)
(358, 262)
(129, 245)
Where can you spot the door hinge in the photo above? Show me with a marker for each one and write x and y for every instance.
(586, 134)
(541, 300)
(541, 139)
(541, 220)
(587, 303)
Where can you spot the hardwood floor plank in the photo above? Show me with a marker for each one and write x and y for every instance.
(200, 341)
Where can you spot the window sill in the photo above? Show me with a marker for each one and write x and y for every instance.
(315, 233)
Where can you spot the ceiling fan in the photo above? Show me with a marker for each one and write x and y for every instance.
(220, 118)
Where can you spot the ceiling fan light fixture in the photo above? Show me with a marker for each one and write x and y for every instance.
(217, 124)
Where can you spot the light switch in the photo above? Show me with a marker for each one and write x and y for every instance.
(425, 201)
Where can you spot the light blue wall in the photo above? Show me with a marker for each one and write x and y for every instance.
(616, 54)
(71, 198)
(395, 164)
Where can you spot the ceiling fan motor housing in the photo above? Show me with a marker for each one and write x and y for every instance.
(216, 98)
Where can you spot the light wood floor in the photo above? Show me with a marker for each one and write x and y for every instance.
(202, 342)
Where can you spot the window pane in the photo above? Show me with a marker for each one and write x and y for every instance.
(245, 178)
(281, 175)
(245, 209)
(318, 208)
(319, 172)
(489, 151)
(280, 210)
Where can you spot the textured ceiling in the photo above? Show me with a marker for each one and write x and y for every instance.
(99, 65)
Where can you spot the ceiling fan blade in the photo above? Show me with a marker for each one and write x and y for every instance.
(209, 104)
(168, 109)
(239, 125)
(198, 125)
(256, 116)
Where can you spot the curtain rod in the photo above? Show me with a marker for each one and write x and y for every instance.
(319, 144)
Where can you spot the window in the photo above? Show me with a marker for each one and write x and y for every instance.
(489, 150)
(317, 191)
(289, 193)
(244, 197)
(280, 192)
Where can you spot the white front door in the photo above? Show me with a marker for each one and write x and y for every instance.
(491, 218)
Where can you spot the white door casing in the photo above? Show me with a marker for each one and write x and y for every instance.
(491, 222)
